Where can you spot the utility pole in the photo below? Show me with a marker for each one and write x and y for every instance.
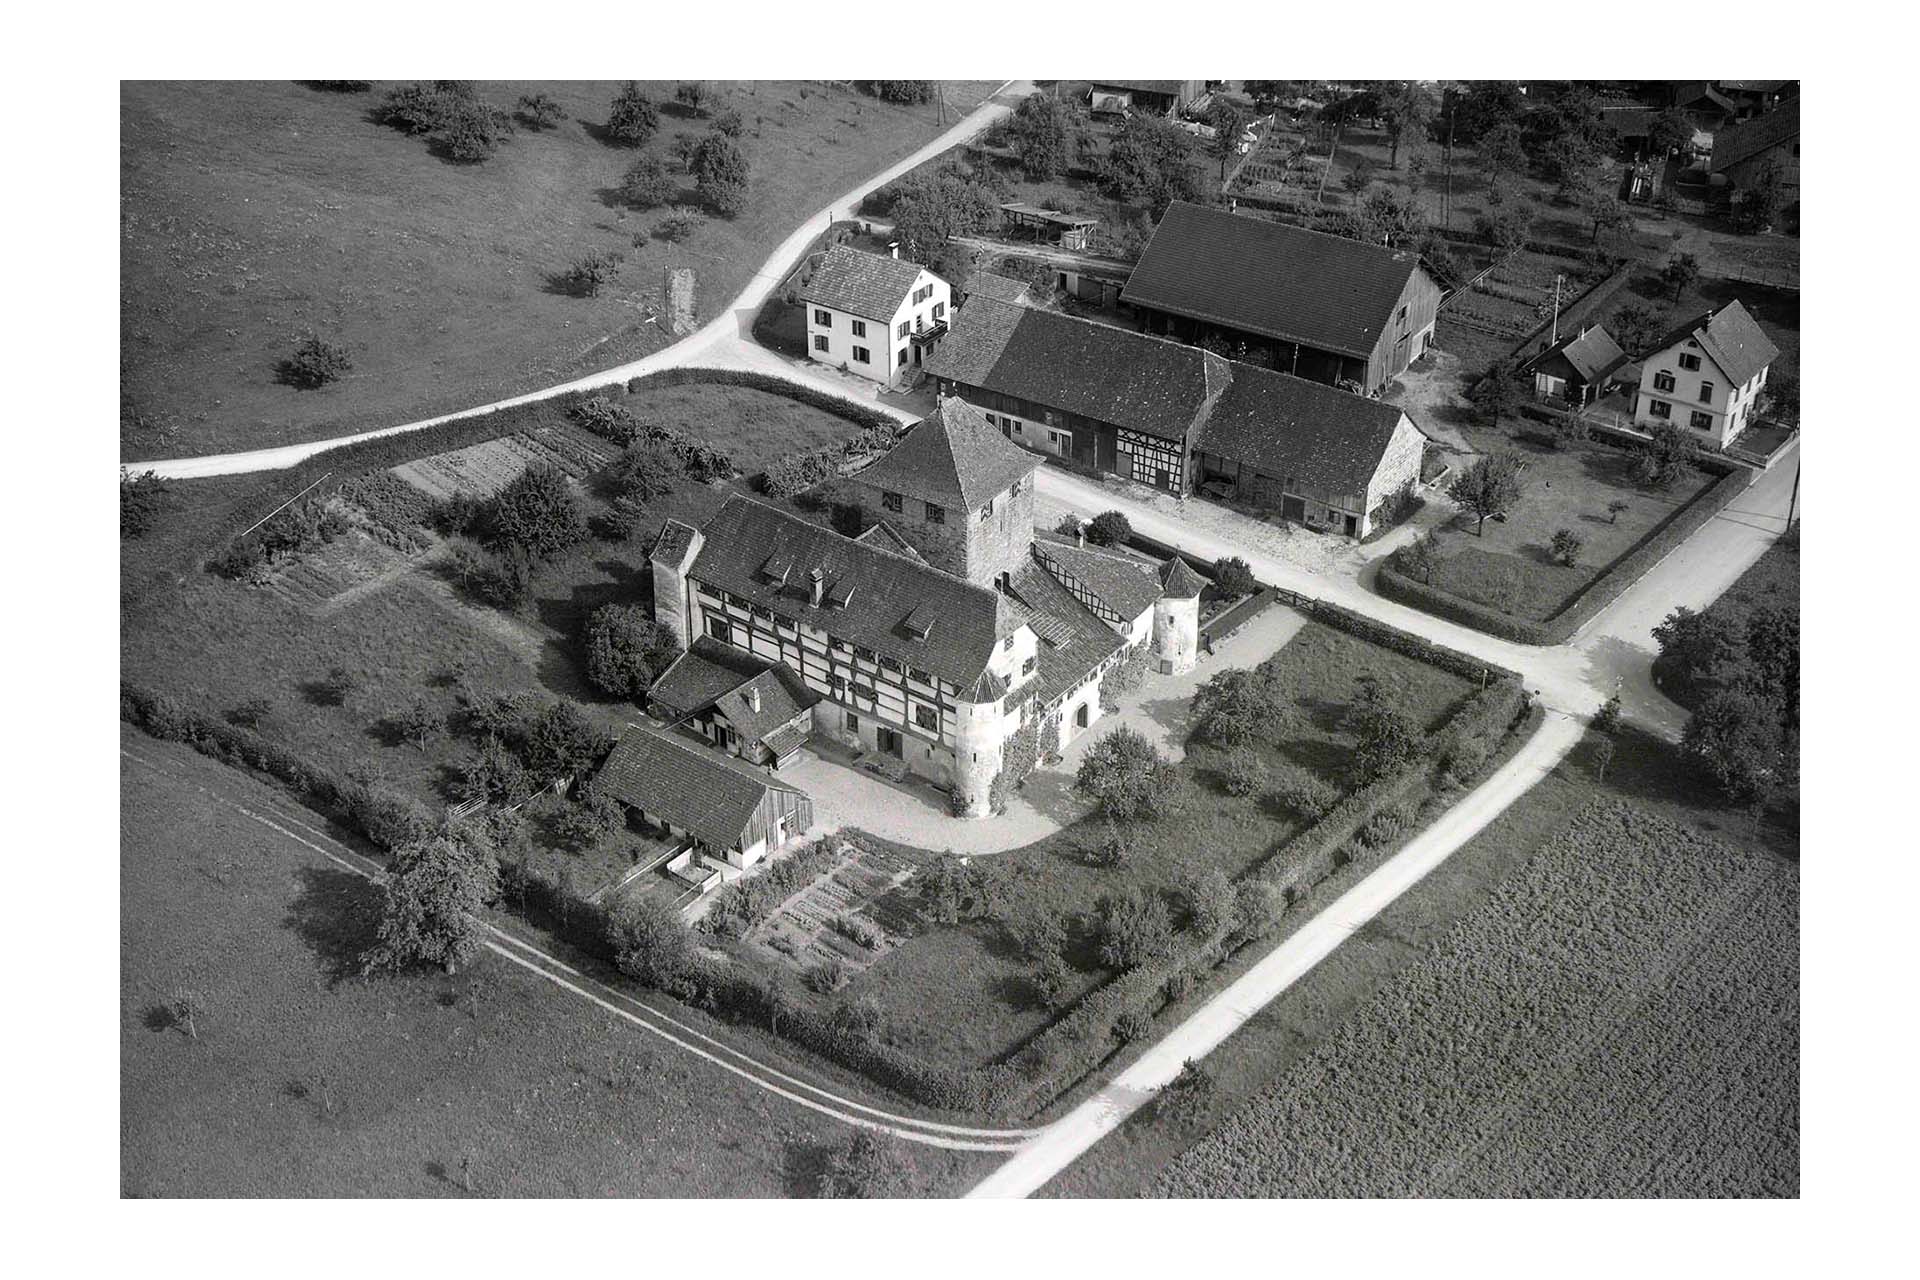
(1794, 501)
(1556, 310)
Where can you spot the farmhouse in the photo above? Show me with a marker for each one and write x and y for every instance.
(931, 647)
(1150, 97)
(744, 705)
(731, 815)
(1577, 368)
(1711, 370)
(1318, 306)
(1178, 417)
(1744, 150)
(872, 315)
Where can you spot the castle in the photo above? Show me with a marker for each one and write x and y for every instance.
(948, 628)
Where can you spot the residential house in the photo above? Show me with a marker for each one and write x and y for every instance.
(1578, 368)
(1150, 97)
(1068, 231)
(1319, 306)
(1706, 375)
(1180, 418)
(872, 315)
(730, 814)
(1744, 150)
(746, 706)
(928, 670)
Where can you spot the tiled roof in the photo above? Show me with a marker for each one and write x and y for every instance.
(952, 457)
(1592, 355)
(1077, 640)
(782, 696)
(671, 546)
(880, 588)
(681, 780)
(1289, 427)
(1179, 580)
(1142, 86)
(1126, 584)
(887, 538)
(1751, 86)
(862, 284)
(1731, 338)
(1003, 288)
(1270, 278)
(1749, 138)
(715, 674)
(1112, 375)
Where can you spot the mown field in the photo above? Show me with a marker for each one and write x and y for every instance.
(305, 1080)
(1621, 1018)
(253, 213)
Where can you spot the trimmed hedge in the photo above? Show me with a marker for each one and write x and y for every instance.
(1597, 595)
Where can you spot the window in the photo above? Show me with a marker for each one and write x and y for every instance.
(939, 311)
(859, 328)
(840, 687)
(1007, 644)
(936, 514)
(853, 723)
(921, 294)
(819, 342)
(1401, 316)
(1706, 393)
(890, 500)
(823, 318)
(1700, 421)
(919, 675)
(1663, 381)
(903, 355)
(986, 513)
(1659, 408)
(862, 355)
(927, 718)
(1689, 362)
(906, 327)
(1026, 668)
(720, 629)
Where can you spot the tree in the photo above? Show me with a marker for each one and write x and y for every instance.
(1041, 133)
(471, 130)
(433, 898)
(537, 512)
(1387, 738)
(867, 1166)
(648, 940)
(1607, 214)
(1406, 109)
(562, 740)
(1495, 396)
(1150, 163)
(1051, 979)
(721, 174)
(1703, 648)
(251, 713)
(626, 649)
(1615, 510)
(1668, 452)
(539, 111)
(1357, 179)
(1607, 718)
(315, 363)
(728, 122)
(1244, 772)
(1681, 270)
(1566, 546)
(1133, 929)
(141, 498)
(1109, 529)
(1506, 225)
(1485, 106)
(1420, 558)
(1736, 736)
(646, 183)
(596, 816)
(591, 272)
(1228, 124)
(928, 210)
(1233, 577)
(632, 118)
(421, 722)
(690, 95)
(1489, 486)
(1386, 217)
(1757, 207)
(1501, 152)
(1668, 131)
(1602, 757)
(1240, 704)
(679, 225)
(337, 686)
(1208, 901)
(1636, 326)
(1127, 775)
(185, 1007)
(1305, 794)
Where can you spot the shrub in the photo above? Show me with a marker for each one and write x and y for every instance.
(1667, 453)
(1310, 797)
(539, 110)
(1050, 980)
(390, 818)
(595, 817)
(632, 117)
(1134, 929)
(679, 225)
(140, 501)
(1234, 577)
(721, 174)
(727, 123)
(251, 713)
(591, 272)
(1244, 772)
(897, 90)
(1187, 1096)
(646, 183)
(1240, 704)
(420, 722)
(828, 976)
(497, 776)
(648, 941)
(1607, 718)
(867, 1166)
(858, 930)
(1209, 903)
(799, 472)
(1566, 546)
(1111, 849)
(1387, 738)
(538, 512)
(1257, 907)
(1132, 1024)
(1109, 528)
(472, 130)
(562, 741)
(1128, 776)
(315, 363)
(433, 898)
(626, 650)
(337, 686)
(503, 579)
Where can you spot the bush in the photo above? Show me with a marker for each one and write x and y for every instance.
(626, 650)
(721, 174)
(140, 501)
(539, 110)
(337, 686)
(799, 472)
(1241, 704)
(679, 225)
(632, 117)
(690, 95)
(1566, 546)
(433, 898)
(1187, 1096)
(537, 512)
(315, 363)
(1234, 577)
(1109, 528)
(1209, 903)
(867, 1166)
(1051, 980)
(1387, 738)
(496, 776)
(727, 123)
(503, 579)
(1133, 929)
(1128, 776)
(1111, 849)
(591, 272)
(646, 183)
(390, 818)
(1258, 906)
(647, 939)
(562, 741)
(1307, 796)
(1244, 772)
(897, 90)
(828, 976)
(858, 930)
(595, 817)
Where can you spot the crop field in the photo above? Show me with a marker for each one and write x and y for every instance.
(801, 932)
(484, 469)
(1620, 1018)
(254, 213)
(302, 1079)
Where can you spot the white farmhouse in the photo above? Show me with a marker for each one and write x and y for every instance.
(1706, 375)
(874, 316)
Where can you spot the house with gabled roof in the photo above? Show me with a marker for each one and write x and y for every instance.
(874, 315)
(730, 814)
(1742, 151)
(937, 635)
(1318, 306)
(1577, 368)
(745, 706)
(1706, 375)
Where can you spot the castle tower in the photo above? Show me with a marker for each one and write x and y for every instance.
(672, 556)
(958, 491)
(1176, 617)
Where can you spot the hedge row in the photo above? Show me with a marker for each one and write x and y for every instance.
(1373, 631)
(164, 718)
(1599, 593)
(859, 414)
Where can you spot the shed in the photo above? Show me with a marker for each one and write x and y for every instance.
(736, 814)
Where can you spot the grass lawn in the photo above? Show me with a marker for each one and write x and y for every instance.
(255, 212)
(1645, 772)
(752, 427)
(306, 1081)
(1510, 567)
(959, 993)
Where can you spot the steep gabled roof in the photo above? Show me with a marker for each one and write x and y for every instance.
(1730, 338)
(1749, 138)
(1271, 278)
(1113, 375)
(1001, 288)
(887, 538)
(879, 587)
(953, 457)
(1289, 427)
(1179, 581)
(712, 674)
(1072, 640)
(678, 779)
(862, 284)
(1591, 355)
(1126, 584)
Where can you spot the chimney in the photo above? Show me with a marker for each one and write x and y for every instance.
(753, 698)
(816, 587)
(893, 248)
(1079, 534)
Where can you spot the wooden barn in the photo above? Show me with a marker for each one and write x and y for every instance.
(733, 813)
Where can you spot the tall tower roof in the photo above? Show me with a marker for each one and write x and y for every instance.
(953, 457)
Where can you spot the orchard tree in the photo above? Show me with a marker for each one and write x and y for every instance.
(1228, 123)
(1041, 131)
(1127, 775)
(1636, 326)
(1489, 487)
(1501, 152)
(633, 117)
(433, 898)
(1566, 546)
(721, 174)
(626, 650)
(538, 512)
(1406, 109)
(586, 275)
(1615, 510)
(1496, 396)
(315, 363)
(1681, 270)
(1150, 163)
(1385, 737)
(421, 722)
(646, 183)
(539, 111)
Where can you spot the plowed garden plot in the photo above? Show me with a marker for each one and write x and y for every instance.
(1620, 1018)
(484, 469)
(801, 933)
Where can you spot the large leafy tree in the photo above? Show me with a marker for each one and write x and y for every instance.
(1150, 163)
(626, 649)
(1489, 486)
(1406, 109)
(633, 117)
(537, 512)
(1042, 134)
(433, 898)
(1385, 737)
(721, 174)
(1129, 778)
